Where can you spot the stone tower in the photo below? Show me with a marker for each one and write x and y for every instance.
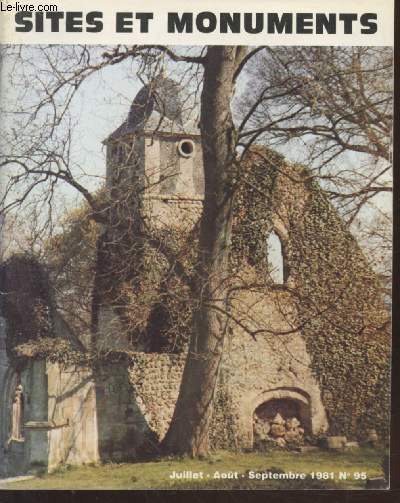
(154, 178)
(158, 151)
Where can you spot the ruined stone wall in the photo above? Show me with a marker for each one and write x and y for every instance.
(255, 370)
(136, 398)
(72, 416)
(135, 402)
(317, 340)
(340, 305)
(337, 297)
(156, 379)
(121, 427)
(59, 418)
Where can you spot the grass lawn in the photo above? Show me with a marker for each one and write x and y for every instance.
(156, 474)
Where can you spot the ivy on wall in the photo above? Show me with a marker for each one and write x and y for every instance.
(338, 296)
(253, 209)
(349, 341)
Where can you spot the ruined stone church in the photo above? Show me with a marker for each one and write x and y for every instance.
(307, 347)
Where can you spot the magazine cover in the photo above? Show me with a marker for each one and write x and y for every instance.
(196, 236)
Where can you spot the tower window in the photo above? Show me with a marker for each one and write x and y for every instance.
(186, 148)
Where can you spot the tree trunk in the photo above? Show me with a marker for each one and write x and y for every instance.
(188, 432)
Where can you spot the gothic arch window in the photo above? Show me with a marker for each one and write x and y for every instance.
(276, 259)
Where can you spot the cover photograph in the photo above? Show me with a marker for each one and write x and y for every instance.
(195, 245)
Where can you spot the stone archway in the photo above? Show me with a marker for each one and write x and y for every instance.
(287, 408)
(287, 402)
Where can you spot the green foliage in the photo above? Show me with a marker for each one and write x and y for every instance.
(51, 349)
(222, 431)
(26, 300)
(348, 342)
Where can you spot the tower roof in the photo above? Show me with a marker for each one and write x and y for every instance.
(158, 106)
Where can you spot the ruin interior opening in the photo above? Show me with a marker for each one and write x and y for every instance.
(287, 408)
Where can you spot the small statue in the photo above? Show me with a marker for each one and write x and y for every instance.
(17, 414)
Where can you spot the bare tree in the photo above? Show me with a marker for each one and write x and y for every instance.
(326, 102)
(190, 424)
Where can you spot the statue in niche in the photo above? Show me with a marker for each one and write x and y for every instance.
(17, 414)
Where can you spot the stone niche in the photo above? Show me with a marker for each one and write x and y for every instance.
(281, 421)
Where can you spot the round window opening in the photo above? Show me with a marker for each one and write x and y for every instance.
(186, 148)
